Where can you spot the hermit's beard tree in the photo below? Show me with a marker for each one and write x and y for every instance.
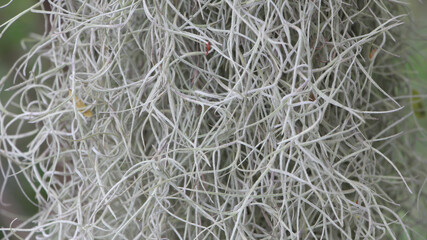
(211, 119)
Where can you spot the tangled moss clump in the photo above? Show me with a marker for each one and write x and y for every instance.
(283, 128)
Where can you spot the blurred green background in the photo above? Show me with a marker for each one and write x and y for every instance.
(11, 50)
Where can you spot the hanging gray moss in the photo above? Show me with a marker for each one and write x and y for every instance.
(212, 120)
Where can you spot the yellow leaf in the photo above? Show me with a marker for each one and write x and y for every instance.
(80, 106)
(417, 105)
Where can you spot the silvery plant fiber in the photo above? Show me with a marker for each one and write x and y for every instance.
(213, 119)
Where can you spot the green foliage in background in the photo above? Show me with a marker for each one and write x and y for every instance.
(10, 50)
